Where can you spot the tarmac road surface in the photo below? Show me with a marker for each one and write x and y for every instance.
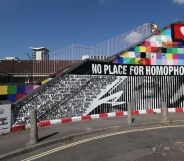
(160, 143)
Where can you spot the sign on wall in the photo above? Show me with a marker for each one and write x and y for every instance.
(178, 32)
(136, 70)
(106, 68)
(5, 118)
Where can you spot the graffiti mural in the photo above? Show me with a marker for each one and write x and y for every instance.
(163, 48)
(144, 75)
(13, 93)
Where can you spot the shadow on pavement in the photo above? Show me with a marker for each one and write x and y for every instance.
(47, 136)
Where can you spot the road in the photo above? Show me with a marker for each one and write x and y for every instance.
(19, 140)
(141, 144)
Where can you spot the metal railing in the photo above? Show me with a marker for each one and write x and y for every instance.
(73, 54)
(104, 49)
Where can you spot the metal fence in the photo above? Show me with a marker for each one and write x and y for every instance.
(77, 53)
(33, 70)
(146, 92)
(103, 49)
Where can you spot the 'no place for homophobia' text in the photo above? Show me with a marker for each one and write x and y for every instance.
(114, 69)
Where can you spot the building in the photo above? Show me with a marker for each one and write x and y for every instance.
(30, 71)
(99, 57)
(40, 53)
(11, 58)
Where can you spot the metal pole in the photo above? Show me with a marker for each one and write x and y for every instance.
(33, 128)
(129, 115)
(164, 112)
(164, 100)
(33, 72)
(54, 61)
(108, 47)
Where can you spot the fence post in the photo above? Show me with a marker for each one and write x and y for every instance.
(129, 114)
(164, 112)
(33, 128)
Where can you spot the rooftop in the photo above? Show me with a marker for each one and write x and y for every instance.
(39, 48)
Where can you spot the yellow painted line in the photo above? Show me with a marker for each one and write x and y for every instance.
(95, 138)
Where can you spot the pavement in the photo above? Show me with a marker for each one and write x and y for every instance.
(163, 143)
(16, 143)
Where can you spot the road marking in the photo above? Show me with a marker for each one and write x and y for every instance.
(95, 138)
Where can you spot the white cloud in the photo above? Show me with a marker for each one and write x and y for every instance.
(133, 37)
(178, 1)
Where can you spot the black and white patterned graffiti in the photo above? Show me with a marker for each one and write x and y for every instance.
(145, 92)
(109, 98)
(67, 97)
(76, 95)
(150, 91)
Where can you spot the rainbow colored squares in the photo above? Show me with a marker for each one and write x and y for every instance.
(160, 49)
(14, 93)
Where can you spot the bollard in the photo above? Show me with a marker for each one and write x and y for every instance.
(129, 114)
(164, 112)
(33, 127)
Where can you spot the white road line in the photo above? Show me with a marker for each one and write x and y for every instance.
(95, 138)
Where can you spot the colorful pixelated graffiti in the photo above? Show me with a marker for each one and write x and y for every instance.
(14, 93)
(165, 47)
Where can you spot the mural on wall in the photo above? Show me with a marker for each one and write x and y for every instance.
(66, 96)
(165, 47)
(5, 118)
(111, 97)
(13, 93)
(110, 85)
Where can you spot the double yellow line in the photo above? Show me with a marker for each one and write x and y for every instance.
(95, 138)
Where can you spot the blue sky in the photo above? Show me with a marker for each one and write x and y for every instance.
(59, 23)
